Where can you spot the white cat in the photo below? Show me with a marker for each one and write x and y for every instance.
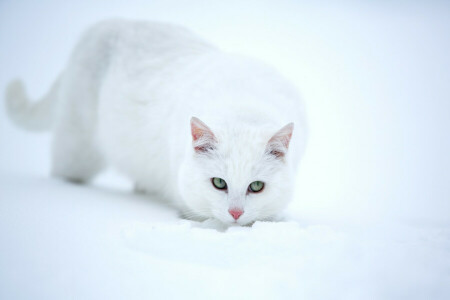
(132, 96)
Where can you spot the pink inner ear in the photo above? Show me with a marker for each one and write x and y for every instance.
(203, 138)
(279, 142)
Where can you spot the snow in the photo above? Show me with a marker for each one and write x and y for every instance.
(371, 216)
(61, 240)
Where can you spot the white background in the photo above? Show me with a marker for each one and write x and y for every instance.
(375, 77)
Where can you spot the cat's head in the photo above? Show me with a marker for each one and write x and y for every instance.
(236, 175)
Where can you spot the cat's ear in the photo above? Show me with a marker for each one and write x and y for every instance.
(203, 138)
(279, 142)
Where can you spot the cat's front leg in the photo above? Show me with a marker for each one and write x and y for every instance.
(139, 189)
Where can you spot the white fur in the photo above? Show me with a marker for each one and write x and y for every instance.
(126, 98)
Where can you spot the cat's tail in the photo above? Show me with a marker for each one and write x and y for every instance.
(31, 115)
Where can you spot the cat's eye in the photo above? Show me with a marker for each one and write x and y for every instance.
(219, 183)
(256, 186)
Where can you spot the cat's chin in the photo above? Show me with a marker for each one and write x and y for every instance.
(219, 225)
(245, 223)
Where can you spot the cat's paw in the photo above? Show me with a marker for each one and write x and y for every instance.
(16, 99)
(139, 189)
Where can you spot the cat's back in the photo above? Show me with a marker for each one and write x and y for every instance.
(126, 43)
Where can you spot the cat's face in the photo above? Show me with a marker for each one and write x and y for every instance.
(236, 175)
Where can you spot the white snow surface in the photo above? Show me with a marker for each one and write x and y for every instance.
(371, 217)
(60, 241)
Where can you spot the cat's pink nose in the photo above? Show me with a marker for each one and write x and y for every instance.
(235, 213)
